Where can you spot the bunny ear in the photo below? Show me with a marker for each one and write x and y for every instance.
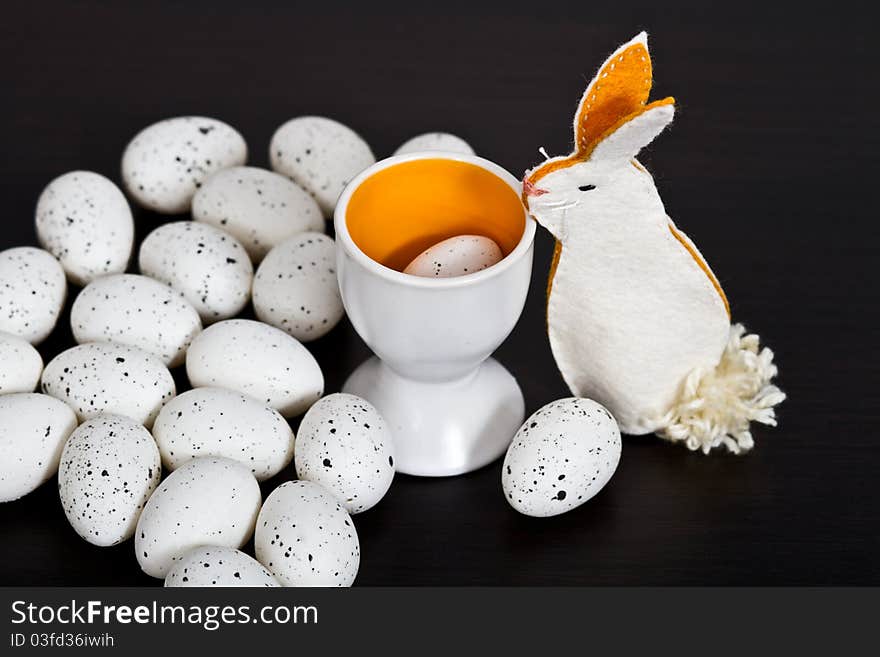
(612, 114)
(619, 90)
(636, 132)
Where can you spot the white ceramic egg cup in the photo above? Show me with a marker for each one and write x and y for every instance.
(451, 408)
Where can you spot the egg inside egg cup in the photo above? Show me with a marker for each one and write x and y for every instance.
(451, 407)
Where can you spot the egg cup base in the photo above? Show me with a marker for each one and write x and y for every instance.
(445, 428)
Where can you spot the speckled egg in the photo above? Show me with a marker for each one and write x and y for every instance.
(435, 141)
(456, 256)
(345, 446)
(296, 289)
(109, 468)
(561, 457)
(33, 429)
(259, 208)
(32, 292)
(257, 360)
(218, 566)
(208, 265)
(164, 165)
(206, 501)
(98, 378)
(84, 220)
(20, 365)
(218, 422)
(306, 538)
(320, 155)
(137, 311)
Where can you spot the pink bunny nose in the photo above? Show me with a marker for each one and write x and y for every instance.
(530, 190)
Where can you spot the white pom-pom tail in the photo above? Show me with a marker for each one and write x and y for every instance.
(716, 406)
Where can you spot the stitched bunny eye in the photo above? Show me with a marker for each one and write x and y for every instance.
(586, 188)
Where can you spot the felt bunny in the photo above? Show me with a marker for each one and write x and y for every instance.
(636, 318)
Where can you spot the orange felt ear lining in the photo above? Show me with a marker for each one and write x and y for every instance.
(400, 211)
(620, 89)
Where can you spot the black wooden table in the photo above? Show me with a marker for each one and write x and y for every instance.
(769, 166)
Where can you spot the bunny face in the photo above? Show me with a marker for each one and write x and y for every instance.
(589, 189)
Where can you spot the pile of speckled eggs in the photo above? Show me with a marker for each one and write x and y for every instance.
(108, 419)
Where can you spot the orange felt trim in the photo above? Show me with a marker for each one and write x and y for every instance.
(620, 89)
(638, 165)
(400, 211)
(702, 264)
(553, 165)
(557, 253)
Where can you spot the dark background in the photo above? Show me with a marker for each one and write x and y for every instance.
(768, 166)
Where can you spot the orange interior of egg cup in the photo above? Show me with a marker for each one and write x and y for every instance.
(400, 211)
